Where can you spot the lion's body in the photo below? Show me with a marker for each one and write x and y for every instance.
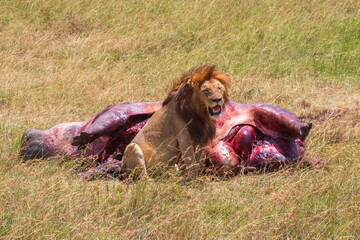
(162, 139)
(183, 125)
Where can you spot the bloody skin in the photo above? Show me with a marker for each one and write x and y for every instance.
(256, 136)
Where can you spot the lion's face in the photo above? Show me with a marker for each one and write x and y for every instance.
(213, 92)
(199, 97)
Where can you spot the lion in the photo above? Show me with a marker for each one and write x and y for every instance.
(184, 124)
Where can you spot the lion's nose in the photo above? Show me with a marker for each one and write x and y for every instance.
(216, 100)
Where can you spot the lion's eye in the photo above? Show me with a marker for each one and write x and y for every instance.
(206, 91)
(220, 88)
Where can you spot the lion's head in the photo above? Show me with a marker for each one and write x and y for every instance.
(200, 96)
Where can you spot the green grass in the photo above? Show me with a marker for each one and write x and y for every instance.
(63, 61)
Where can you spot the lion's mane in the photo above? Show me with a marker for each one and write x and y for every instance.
(191, 107)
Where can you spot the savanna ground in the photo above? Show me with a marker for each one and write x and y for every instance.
(64, 61)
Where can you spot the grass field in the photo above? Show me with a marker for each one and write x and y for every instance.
(63, 61)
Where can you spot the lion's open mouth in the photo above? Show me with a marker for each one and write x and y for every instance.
(215, 111)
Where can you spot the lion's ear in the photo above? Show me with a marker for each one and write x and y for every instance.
(193, 83)
(223, 78)
(190, 82)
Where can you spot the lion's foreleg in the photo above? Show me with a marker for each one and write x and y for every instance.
(190, 157)
(133, 160)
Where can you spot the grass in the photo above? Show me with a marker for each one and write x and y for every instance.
(64, 61)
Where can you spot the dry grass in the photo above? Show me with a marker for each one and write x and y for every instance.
(65, 60)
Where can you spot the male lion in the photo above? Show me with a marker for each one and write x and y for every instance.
(184, 124)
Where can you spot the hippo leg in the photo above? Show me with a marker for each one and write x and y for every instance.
(279, 123)
(82, 139)
(104, 122)
(243, 142)
(112, 119)
(34, 146)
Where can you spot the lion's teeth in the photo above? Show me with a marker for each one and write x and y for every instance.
(216, 109)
